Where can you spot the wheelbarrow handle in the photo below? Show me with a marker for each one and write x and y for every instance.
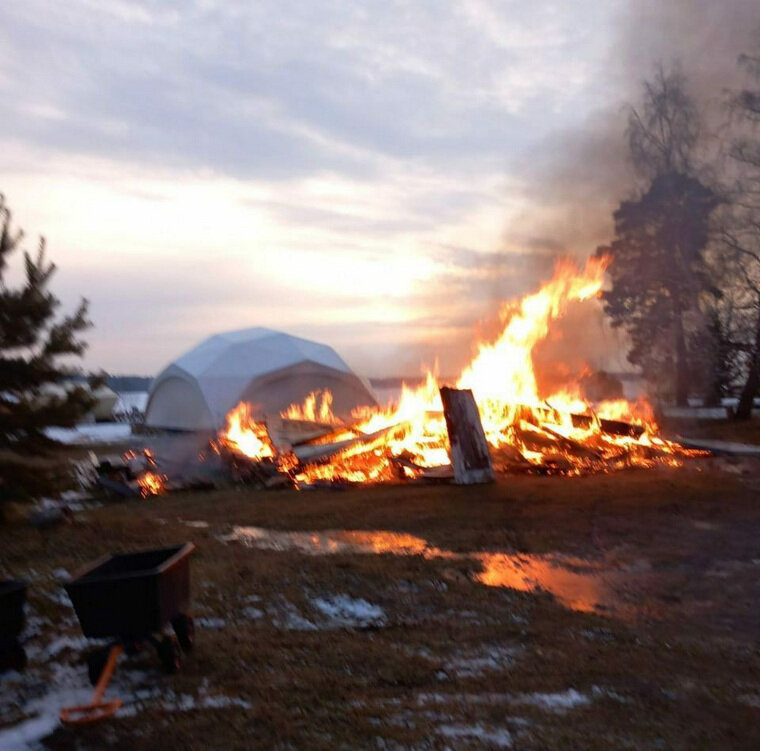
(97, 709)
(85, 714)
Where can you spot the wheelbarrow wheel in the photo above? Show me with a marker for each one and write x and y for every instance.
(184, 628)
(96, 661)
(170, 653)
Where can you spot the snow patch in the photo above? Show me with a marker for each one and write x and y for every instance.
(555, 702)
(104, 432)
(40, 697)
(288, 618)
(495, 658)
(500, 737)
(187, 703)
(345, 611)
(750, 700)
(74, 643)
(599, 692)
(67, 687)
(59, 597)
(210, 622)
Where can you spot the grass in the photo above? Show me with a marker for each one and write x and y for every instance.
(679, 674)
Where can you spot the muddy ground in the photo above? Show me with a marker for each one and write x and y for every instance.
(634, 622)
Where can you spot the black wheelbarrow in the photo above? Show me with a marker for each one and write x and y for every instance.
(130, 599)
(12, 598)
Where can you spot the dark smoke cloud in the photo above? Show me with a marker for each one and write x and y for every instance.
(577, 177)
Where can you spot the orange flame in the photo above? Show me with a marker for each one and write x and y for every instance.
(151, 483)
(317, 407)
(558, 432)
(244, 435)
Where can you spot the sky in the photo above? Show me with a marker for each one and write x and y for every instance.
(373, 175)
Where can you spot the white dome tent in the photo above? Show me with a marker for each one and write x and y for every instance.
(268, 369)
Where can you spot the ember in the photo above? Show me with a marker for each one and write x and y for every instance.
(151, 483)
(526, 430)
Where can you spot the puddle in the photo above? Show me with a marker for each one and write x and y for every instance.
(333, 541)
(575, 583)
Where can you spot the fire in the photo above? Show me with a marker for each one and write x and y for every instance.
(558, 432)
(151, 483)
(244, 435)
(502, 371)
(317, 407)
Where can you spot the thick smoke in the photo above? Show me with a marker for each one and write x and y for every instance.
(582, 174)
(576, 178)
(572, 181)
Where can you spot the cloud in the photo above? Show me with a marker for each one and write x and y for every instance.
(576, 175)
(277, 89)
(378, 175)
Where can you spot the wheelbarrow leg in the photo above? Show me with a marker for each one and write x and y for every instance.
(97, 709)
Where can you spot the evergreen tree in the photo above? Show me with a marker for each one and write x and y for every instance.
(658, 274)
(33, 340)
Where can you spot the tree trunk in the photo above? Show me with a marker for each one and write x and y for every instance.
(744, 409)
(682, 372)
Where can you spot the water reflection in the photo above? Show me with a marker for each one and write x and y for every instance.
(331, 541)
(575, 583)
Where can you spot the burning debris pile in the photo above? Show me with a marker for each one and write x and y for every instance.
(519, 428)
(133, 474)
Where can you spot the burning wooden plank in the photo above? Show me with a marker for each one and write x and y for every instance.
(288, 432)
(409, 470)
(306, 453)
(607, 426)
(470, 455)
(572, 446)
(610, 427)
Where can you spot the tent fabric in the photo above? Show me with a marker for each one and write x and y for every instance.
(268, 369)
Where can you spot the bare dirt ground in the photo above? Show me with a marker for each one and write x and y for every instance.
(739, 431)
(635, 621)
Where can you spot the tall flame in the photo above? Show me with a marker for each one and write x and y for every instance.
(555, 430)
(502, 371)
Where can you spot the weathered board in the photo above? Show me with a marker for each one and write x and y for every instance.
(470, 456)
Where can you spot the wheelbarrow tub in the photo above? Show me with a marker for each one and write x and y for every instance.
(12, 598)
(133, 595)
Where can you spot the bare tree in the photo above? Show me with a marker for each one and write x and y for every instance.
(664, 133)
(739, 230)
